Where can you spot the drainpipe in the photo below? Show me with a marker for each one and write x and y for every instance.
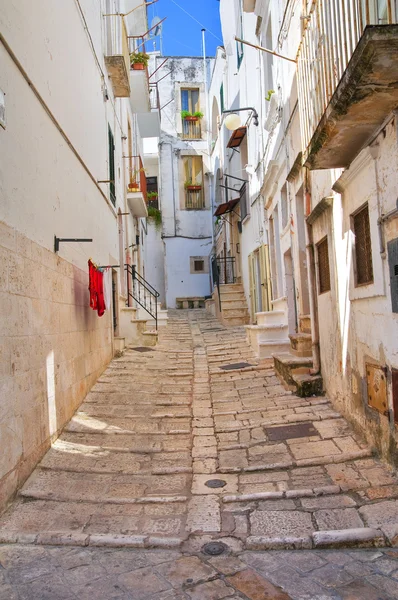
(316, 359)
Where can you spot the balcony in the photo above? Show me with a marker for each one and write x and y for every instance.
(191, 130)
(117, 57)
(137, 190)
(347, 78)
(194, 198)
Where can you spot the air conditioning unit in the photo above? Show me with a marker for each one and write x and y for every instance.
(273, 114)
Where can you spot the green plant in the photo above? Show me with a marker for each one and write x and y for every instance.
(189, 183)
(156, 215)
(185, 114)
(198, 114)
(268, 97)
(139, 58)
(151, 195)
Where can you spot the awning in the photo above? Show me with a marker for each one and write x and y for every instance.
(237, 137)
(227, 207)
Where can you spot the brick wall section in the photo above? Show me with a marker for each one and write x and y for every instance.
(53, 347)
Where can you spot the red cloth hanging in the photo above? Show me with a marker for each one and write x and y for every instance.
(96, 288)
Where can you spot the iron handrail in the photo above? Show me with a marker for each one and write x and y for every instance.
(142, 292)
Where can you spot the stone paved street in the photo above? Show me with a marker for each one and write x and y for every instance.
(132, 468)
(65, 573)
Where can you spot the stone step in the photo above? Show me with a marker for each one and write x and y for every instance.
(286, 365)
(271, 347)
(271, 317)
(235, 312)
(272, 332)
(236, 303)
(301, 344)
(308, 385)
(305, 323)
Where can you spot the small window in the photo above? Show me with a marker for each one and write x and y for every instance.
(199, 266)
(222, 98)
(244, 209)
(191, 126)
(323, 266)
(363, 247)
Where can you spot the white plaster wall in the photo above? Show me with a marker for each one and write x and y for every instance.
(154, 265)
(180, 283)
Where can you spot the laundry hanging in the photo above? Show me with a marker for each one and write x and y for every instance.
(96, 288)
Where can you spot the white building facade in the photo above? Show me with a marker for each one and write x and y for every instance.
(70, 145)
(314, 242)
(185, 197)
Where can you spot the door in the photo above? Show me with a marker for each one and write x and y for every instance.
(265, 277)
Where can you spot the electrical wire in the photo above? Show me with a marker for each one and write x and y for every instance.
(199, 23)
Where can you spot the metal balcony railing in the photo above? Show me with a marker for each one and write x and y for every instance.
(332, 30)
(194, 199)
(191, 130)
(142, 292)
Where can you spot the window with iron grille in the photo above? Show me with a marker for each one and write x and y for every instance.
(193, 173)
(323, 266)
(363, 247)
(111, 149)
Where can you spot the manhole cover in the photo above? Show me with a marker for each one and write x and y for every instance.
(241, 365)
(216, 483)
(143, 349)
(214, 548)
(288, 432)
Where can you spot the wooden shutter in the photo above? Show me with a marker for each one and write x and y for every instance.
(265, 269)
(363, 247)
(252, 284)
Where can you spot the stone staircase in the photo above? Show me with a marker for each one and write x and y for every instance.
(234, 311)
(137, 327)
(270, 335)
(294, 366)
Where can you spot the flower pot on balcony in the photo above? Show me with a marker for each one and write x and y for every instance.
(191, 118)
(133, 187)
(194, 188)
(138, 67)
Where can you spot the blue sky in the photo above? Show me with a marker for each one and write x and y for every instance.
(182, 35)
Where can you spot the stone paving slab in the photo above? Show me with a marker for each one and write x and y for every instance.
(131, 467)
(71, 573)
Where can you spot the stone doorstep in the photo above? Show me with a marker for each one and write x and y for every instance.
(304, 462)
(349, 538)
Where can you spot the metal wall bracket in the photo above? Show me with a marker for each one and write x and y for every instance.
(58, 240)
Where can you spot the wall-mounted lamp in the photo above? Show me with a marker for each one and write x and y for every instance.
(233, 121)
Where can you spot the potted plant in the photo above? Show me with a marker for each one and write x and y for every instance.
(188, 116)
(192, 187)
(156, 216)
(139, 61)
(133, 186)
(151, 195)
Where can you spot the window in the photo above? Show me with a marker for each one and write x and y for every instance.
(285, 206)
(363, 247)
(191, 130)
(152, 192)
(323, 266)
(243, 202)
(193, 182)
(111, 149)
(198, 265)
(222, 102)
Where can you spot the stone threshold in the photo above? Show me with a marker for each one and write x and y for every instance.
(304, 462)
(345, 538)
(95, 500)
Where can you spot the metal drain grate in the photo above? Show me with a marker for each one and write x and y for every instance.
(214, 548)
(215, 483)
(242, 365)
(288, 432)
(143, 349)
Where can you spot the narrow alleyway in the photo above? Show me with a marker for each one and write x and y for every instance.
(133, 466)
(132, 469)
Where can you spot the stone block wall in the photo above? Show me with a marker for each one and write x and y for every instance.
(53, 347)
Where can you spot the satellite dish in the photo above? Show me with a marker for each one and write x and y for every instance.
(156, 27)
